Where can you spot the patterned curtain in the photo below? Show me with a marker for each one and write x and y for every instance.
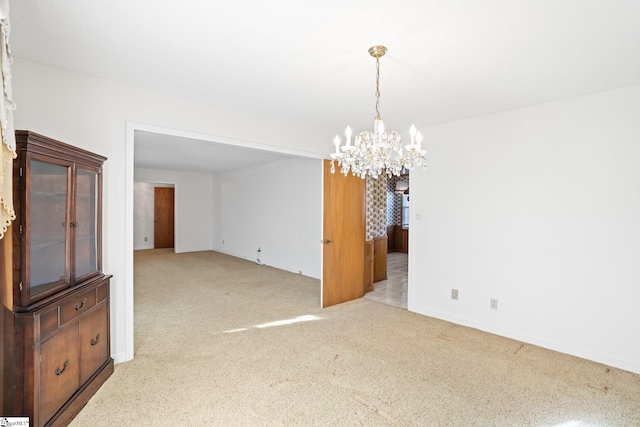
(8, 145)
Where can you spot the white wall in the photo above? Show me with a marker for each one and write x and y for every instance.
(539, 208)
(143, 206)
(277, 208)
(144, 214)
(193, 206)
(244, 209)
(92, 114)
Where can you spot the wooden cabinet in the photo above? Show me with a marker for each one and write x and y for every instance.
(368, 266)
(56, 196)
(56, 301)
(398, 238)
(379, 258)
(401, 239)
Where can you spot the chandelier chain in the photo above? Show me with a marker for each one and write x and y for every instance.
(377, 87)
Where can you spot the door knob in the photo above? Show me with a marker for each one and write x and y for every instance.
(325, 241)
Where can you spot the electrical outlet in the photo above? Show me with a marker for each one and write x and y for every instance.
(299, 271)
(494, 304)
(454, 294)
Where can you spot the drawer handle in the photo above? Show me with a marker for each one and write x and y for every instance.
(60, 372)
(96, 341)
(81, 306)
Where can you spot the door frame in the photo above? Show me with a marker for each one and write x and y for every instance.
(122, 300)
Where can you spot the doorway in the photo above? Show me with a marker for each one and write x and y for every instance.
(394, 290)
(154, 215)
(140, 169)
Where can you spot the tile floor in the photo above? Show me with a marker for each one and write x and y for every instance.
(393, 291)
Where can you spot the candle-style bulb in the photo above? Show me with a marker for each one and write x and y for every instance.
(418, 139)
(336, 141)
(412, 132)
(347, 132)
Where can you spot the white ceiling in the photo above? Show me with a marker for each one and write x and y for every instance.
(307, 61)
(168, 152)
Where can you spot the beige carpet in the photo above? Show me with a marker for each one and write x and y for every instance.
(205, 355)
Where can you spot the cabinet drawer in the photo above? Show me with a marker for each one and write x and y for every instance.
(59, 372)
(77, 306)
(48, 323)
(103, 292)
(94, 342)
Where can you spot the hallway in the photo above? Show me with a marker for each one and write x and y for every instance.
(393, 291)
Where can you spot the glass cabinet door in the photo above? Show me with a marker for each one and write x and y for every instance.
(86, 223)
(48, 230)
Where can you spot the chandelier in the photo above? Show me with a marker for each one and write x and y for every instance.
(380, 151)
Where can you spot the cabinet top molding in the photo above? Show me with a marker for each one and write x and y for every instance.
(49, 146)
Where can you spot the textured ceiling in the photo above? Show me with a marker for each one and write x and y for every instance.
(307, 61)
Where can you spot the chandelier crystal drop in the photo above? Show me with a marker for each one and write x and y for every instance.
(379, 151)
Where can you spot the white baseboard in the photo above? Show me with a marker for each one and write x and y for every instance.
(540, 342)
(138, 248)
(119, 358)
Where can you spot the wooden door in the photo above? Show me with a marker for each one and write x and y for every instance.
(163, 208)
(343, 255)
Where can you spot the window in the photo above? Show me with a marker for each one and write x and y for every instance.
(405, 210)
